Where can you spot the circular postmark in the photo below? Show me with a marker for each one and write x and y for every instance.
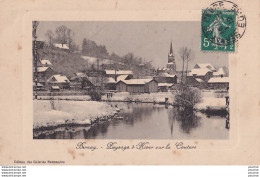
(223, 23)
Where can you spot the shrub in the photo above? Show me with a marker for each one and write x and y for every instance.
(95, 95)
(187, 97)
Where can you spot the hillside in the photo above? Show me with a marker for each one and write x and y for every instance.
(68, 62)
(64, 62)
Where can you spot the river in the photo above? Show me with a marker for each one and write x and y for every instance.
(146, 121)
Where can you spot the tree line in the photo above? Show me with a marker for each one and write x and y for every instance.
(62, 35)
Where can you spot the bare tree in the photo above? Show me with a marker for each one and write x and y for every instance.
(61, 36)
(188, 58)
(70, 35)
(183, 53)
(50, 36)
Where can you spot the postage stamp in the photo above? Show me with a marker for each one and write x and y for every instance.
(222, 24)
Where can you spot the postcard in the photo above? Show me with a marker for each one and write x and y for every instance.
(130, 83)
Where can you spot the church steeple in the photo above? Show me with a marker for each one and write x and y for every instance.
(171, 52)
(171, 59)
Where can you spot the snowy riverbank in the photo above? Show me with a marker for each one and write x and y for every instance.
(48, 113)
(120, 96)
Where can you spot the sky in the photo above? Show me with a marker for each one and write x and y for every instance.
(147, 39)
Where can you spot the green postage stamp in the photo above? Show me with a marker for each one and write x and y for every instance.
(218, 29)
(222, 24)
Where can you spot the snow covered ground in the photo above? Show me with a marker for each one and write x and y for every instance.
(68, 112)
(120, 96)
(212, 103)
(66, 97)
(146, 97)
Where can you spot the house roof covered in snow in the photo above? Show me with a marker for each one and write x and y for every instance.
(110, 80)
(199, 80)
(80, 74)
(55, 87)
(205, 65)
(219, 80)
(166, 75)
(137, 81)
(38, 84)
(62, 46)
(58, 79)
(45, 62)
(164, 69)
(199, 71)
(219, 72)
(119, 72)
(164, 85)
(122, 77)
(42, 69)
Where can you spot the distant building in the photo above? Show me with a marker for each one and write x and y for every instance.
(203, 73)
(219, 73)
(219, 83)
(43, 73)
(44, 63)
(166, 78)
(124, 77)
(62, 46)
(205, 65)
(110, 83)
(80, 81)
(196, 82)
(58, 80)
(116, 73)
(164, 87)
(137, 86)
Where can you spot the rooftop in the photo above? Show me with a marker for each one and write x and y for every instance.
(58, 79)
(137, 81)
(205, 65)
(45, 62)
(219, 80)
(199, 71)
(164, 85)
(119, 72)
(62, 46)
(122, 77)
(219, 72)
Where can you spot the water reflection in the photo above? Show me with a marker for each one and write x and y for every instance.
(146, 121)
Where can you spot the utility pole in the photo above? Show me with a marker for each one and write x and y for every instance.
(35, 55)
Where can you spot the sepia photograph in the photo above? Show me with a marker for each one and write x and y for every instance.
(128, 80)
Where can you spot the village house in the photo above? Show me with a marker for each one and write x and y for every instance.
(43, 73)
(56, 81)
(137, 86)
(124, 77)
(44, 63)
(110, 83)
(164, 87)
(80, 81)
(205, 65)
(116, 73)
(219, 83)
(219, 73)
(196, 82)
(166, 78)
(203, 73)
(64, 47)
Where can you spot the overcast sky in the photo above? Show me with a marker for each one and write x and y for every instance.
(150, 40)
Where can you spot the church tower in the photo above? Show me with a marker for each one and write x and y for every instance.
(171, 60)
